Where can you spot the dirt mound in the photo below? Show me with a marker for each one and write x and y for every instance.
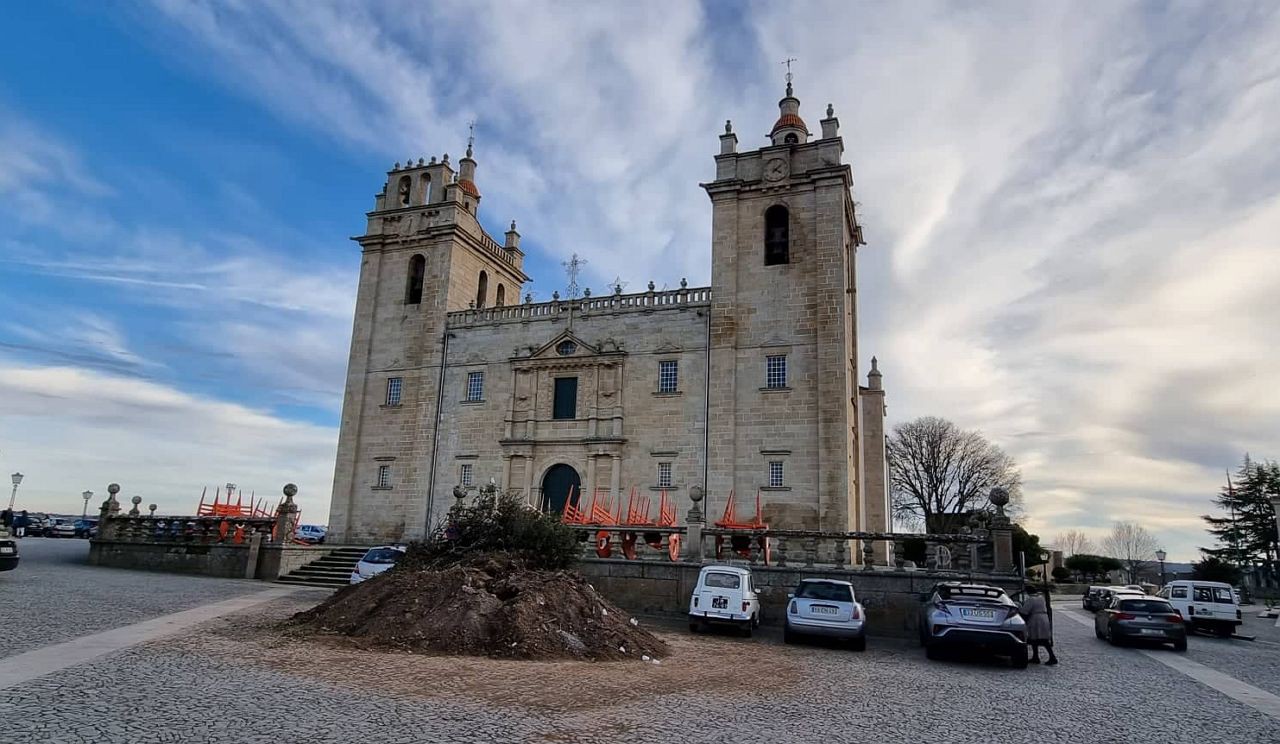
(488, 607)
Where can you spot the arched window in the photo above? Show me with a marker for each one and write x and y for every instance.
(791, 139)
(413, 288)
(402, 191)
(500, 298)
(426, 188)
(777, 243)
(482, 290)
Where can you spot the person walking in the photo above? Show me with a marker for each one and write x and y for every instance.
(20, 523)
(1035, 608)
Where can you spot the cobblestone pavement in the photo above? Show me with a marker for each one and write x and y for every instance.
(55, 595)
(239, 679)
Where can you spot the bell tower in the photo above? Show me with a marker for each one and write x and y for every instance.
(424, 255)
(783, 413)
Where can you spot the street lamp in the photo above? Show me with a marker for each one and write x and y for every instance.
(86, 496)
(17, 481)
(1160, 556)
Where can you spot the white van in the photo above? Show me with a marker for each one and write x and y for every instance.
(1205, 605)
(724, 595)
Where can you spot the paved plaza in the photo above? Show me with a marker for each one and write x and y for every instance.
(170, 677)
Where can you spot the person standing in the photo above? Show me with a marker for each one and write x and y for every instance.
(1035, 608)
(20, 523)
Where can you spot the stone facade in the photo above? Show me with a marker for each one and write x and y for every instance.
(453, 380)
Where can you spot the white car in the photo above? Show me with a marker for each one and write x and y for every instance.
(311, 533)
(724, 595)
(59, 527)
(375, 561)
(826, 607)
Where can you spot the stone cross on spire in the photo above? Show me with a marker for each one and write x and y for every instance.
(572, 267)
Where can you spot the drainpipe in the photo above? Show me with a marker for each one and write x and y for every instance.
(435, 432)
(706, 419)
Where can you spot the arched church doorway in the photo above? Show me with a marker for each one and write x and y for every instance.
(557, 484)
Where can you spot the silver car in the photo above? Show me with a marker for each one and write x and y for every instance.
(826, 607)
(957, 616)
(376, 561)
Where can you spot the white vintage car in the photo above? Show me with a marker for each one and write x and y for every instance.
(724, 595)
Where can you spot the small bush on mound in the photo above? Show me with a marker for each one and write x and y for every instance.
(486, 606)
(497, 524)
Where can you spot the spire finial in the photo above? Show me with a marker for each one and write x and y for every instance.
(471, 135)
(788, 62)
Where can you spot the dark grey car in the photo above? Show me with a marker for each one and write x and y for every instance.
(1134, 619)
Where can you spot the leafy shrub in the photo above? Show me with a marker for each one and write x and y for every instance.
(497, 524)
(1061, 573)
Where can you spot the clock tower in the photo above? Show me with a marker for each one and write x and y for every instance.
(783, 409)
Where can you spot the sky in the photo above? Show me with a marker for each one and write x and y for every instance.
(1071, 213)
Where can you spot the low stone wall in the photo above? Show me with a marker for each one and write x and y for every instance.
(891, 598)
(223, 560)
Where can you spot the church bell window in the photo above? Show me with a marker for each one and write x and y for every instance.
(417, 272)
(777, 238)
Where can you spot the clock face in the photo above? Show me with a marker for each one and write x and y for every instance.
(776, 169)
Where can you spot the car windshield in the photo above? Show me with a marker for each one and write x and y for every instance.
(825, 591)
(722, 580)
(1145, 605)
(382, 556)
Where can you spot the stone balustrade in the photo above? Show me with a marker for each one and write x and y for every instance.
(650, 301)
(180, 529)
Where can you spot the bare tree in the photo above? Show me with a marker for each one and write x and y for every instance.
(1073, 542)
(1133, 546)
(937, 468)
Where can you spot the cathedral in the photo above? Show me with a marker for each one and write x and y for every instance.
(748, 386)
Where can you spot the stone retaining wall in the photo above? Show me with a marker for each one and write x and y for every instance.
(223, 560)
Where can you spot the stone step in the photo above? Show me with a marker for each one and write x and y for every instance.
(320, 571)
(313, 581)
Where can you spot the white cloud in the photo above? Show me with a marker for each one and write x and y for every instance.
(75, 429)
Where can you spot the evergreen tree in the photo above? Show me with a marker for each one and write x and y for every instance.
(1245, 531)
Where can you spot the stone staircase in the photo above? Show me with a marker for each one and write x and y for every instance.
(331, 571)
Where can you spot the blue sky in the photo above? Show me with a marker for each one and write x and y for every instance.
(1070, 216)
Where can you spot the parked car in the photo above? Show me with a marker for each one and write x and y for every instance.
(311, 533)
(36, 524)
(86, 528)
(724, 595)
(1205, 605)
(826, 607)
(8, 551)
(1130, 619)
(972, 616)
(59, 527)
(375, 561)
(1092, 600)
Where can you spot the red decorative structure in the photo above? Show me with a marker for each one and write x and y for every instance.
(638, 516)
(741, 544)
(225, 508)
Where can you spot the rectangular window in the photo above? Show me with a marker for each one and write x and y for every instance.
(384, 476)
(775, 474)
(466, 474)
(475, 387)
(668, 377)
(1179, 592)
(775, 371)
(565, 403)
(393, 391)
(664, 475)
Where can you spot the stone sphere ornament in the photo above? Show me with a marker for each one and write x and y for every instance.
(113, 489)
(290, 490)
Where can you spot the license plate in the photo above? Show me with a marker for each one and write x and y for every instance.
(977, 614)
(719, 603)
(1151, 631)
(6, 551)
(822, 610)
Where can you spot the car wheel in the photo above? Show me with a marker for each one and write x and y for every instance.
(1019, 660)
(1111, 637)
(746, 629)
(1224, 631)
(1180, 645)
(859, 643)
(787, 636)
(1098, 633)
(694, 627)
(932, 652)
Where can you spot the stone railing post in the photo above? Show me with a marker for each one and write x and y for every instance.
(868, 554)
(841, 552)
(1001, 532)
(810, 551)
(899, 553)
(781, 562)
(286, 516)
(695, 521)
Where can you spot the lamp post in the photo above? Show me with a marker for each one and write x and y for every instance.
(86, 496)
(17, 481)
(1160, 556)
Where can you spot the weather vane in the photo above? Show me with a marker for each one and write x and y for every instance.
(788, 62)
(471, 135)
(572, 267)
